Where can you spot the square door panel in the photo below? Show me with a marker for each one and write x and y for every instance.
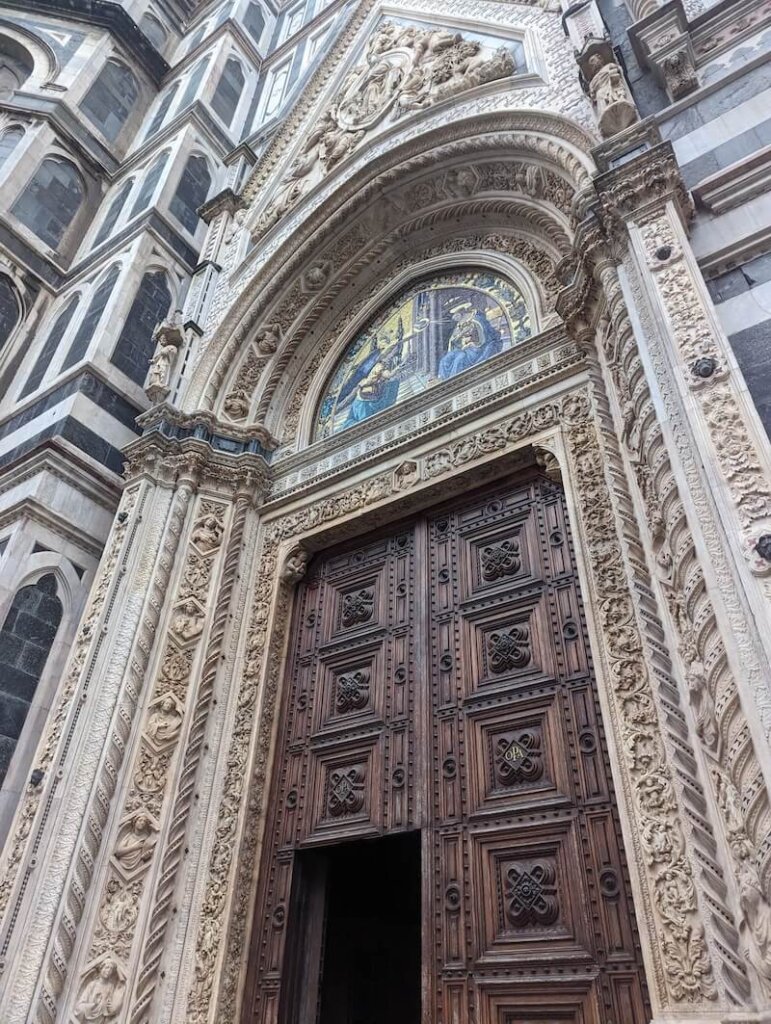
(500, 555)
(350, 687)
(345, 790)
(517, 756)
(530, 894)
(508, 646)
(357, 604)
(552, 1001)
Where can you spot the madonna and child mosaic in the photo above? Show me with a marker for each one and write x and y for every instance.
(432, 331)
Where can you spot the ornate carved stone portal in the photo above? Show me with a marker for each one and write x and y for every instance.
(480, 725)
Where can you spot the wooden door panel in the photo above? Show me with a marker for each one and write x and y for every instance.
(517, 756)
(440, 677)
(527, 894)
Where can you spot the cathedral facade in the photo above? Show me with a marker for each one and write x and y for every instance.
(385, 511)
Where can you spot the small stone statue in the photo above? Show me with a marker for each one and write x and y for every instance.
(610, 95)
(169, 336)
(101, 997)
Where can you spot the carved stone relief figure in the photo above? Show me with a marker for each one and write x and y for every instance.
(165, 721)
(135, 842)
(295, 565)
(404, 68)
(102, 994)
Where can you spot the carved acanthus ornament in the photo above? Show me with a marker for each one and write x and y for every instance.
(404, 68)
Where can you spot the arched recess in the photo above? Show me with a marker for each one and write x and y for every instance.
(293, 410)
(25, 59)
(512, 179)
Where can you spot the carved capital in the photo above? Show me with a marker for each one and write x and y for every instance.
(637, 188)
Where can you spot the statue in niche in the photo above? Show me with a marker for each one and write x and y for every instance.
(610, 95)
(102, 994)
(136, 841)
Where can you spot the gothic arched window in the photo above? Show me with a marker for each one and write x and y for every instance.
(228, 91)
(51, 200)
(16, 65)
(135, 344)
(10, 309)
(147, 191)
(93, 315)
(9, 140)
(50, 345)
(191, 193)
(113, 212)
(111, 98)
(196, 37)
(162, 110)
(26, 638)
(430, 332)
(194, 83)
(254, 21)
(154, 30)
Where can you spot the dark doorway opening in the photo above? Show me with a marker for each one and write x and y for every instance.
(355, 934)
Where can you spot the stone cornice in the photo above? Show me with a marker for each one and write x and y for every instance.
(173, 460)
(104, 14)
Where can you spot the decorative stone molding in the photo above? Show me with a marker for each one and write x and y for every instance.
(662, 42)
(404, 68)
(139, 835)
(633, 199)
(128, 600)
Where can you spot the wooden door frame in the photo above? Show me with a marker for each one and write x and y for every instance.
(564, 434)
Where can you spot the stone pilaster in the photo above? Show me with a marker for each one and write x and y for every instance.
(95, 844)
(676, 392)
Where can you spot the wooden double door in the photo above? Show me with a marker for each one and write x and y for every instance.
(441, 768)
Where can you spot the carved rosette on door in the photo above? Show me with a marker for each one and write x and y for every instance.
(440, 679)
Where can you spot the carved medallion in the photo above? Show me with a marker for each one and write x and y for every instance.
(531, 893)
(358, 607)
(500, 560)
(346, 791)
(509, 649)
(518, 758)
(352, 691)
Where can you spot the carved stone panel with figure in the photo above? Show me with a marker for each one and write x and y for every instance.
(440, 686)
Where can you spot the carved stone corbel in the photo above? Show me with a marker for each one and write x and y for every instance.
(662, 42)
